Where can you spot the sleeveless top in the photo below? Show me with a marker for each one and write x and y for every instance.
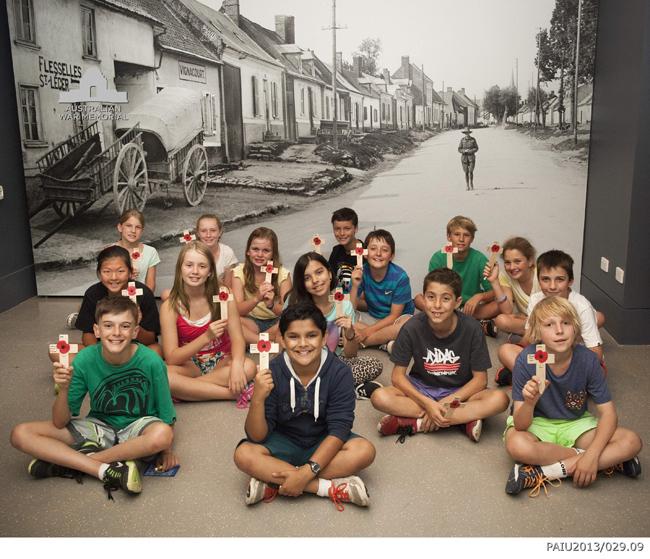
(210, 354)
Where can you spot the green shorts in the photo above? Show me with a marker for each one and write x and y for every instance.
(283, 448)
(563, 432)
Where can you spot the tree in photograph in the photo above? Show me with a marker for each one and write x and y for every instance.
(370, 49)
(539, 101)
(501, 103)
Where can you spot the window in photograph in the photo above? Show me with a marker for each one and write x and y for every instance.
(274, 99)
(88, 32)
(29, 108)
(254, 91)
(365, 113)
(209, 113)
(24, 17)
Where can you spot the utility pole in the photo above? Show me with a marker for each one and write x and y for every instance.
(442, 116)
(539, 33)
(335, 139)
(517, 86)
(575, 79)
(424, 98)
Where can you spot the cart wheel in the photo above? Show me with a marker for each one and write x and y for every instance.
(66, 209)
(195, 175)
(130, 178)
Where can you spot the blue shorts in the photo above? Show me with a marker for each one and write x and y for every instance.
(264, 324)
(283, 448)
(432, 392)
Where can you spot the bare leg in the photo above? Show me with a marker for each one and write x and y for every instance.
(623, 445)
(385, 334)
(511, 323)
(526, 448)
(508, 354)
(487, 310)
(155, 438)
(250, 329)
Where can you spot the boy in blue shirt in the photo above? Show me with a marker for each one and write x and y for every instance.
(299, 424)
(131, 411)
(383, 289)
(552, 435)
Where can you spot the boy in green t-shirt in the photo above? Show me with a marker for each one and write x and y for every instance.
(477, 294)
(131, 411)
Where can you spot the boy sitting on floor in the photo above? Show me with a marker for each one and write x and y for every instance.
(469, 263)
(383, 289)
(450, 363)
(300, 419)
(131, 411)
(551, 435)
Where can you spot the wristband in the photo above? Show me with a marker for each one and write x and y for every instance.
(501, 299)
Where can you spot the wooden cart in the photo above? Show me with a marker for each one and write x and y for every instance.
(165, 146)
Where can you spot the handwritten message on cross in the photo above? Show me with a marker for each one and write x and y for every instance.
(494, 249)
(222, 298)
(187, 237)
(337, 297)
(264, 347)
(540, 358)
(268, 270)
(64, 349)
(359, 252)
(317, 242)
(449, 250)
(132, 292)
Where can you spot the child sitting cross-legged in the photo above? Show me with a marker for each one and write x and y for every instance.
(299, 424)
(131, 411)
(551, 435)
(447, 384)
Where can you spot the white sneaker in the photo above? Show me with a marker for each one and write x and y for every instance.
(349, 490)
(259, 491)
(71, 320)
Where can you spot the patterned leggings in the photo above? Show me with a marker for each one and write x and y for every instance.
(364, 368)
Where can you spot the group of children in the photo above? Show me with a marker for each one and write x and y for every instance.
(298, 429)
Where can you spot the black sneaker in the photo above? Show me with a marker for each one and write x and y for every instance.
(122, 475)
(629, 468)
(489, 328)
(88, 447)
(365, 390)
(525, 476)
(503, 377)
(41, 469)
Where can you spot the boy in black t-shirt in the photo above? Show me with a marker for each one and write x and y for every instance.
(345, 224)
(447, 384)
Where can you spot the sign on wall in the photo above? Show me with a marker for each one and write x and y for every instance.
(191, 72)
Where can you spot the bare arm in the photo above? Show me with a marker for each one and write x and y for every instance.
(505, 307)
(150, 280)
(586, 468)
(474, 386)
(244, 306)
(175, 355)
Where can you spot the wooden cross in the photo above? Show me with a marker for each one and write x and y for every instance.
(223, 298)
(494, 249)
(64, 349)
(187, 237)
(359, 252)
(316, 242)
(269, 270)
(264, 347)
(338, 297)
(135, 256)
(449, 249)
(540, 358)
(452, 406)
(132, 292)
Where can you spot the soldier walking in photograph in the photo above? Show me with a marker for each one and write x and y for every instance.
(467, 148)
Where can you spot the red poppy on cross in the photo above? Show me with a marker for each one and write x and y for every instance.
(132, 292)
(338, 297)
(269, 270)
(540, 358)
(187, 237)
(64, 348)
(264, 347)
(135, 254)
(316, 242)
(494, 249)
(359, 252)
(449, 249)
(450, 407)
(222, 298)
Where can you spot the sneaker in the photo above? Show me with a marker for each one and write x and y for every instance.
(245, 396)
(348, 490)
(71, 320)
(387, 347)
(260, 491)
(629, 468)
(122, 475)
(41, 469)
(503, 377)
(365, 390)
(473, 430)
(489, 328)
(88, 447)
(524, 476)
(394, 425)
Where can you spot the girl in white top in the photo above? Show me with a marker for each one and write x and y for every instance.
(513, 288)
(144, 258)
(209, 230)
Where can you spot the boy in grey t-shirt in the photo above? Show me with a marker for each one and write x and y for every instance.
(447, 384)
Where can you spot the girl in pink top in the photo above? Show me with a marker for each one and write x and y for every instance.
(204, 352)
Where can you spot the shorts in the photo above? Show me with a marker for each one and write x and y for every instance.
(369, 320)
(435, 393)
(263, 324)
(93, 429)
(563, 432)
(207, 361)
(468, 162)
(283, 448)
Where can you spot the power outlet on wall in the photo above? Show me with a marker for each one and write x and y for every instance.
(604, 264)
(619, 274)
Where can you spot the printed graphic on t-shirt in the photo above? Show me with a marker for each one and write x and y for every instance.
(344, 277)
(441, 363)
(575, 401)
(123, 394)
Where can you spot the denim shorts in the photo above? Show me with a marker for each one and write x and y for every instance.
(264, 324)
